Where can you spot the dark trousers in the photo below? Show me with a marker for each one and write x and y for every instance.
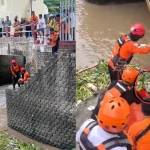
(72, 32)
(96, 110)
(28, 34)
(54, 49)
(15, 80)
(114, 75)
(0, 32)
(57, 43)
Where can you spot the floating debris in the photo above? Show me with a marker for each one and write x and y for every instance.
(93, 79)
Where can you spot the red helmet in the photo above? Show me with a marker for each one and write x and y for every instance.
(23, 69)
(13, 62)
(137, 29)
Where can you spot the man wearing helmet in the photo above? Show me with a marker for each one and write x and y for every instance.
(25, 76)
(107, 132)
(15, 71)
(124, 50)
(122, 88)
(139, 132)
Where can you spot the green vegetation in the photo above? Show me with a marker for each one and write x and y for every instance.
(97, 76)
(145, 76)
(7, 143)
(52, 3)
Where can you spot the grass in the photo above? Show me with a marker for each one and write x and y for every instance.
(8, 143)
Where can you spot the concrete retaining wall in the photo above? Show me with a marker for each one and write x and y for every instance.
(5, 73)
(44, 107)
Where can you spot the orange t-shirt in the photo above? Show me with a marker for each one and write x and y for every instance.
(34, 19)
(54, 39)
(135, 129)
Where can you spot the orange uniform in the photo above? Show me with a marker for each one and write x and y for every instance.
(139, 134)
(54, 39)
(26, 76)
(15, 69)
(34, 19)
(124, 50)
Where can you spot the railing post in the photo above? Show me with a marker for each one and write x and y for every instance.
(44, 36)
(33, 31)
(7, 31)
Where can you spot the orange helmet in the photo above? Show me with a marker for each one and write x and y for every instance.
(113, 115)
(129, 75)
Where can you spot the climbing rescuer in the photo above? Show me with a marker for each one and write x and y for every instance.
(124, 50)
(25, 76)
(139, 132)
(120, 89)
(107, 132)
(15, 71)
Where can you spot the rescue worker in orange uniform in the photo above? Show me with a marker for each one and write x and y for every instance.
(15, 71)
(107, 132)
(120, 89)
(54, 37)
(139, 132)
(124, 50)
(25, 75)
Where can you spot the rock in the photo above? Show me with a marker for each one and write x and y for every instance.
(93, 87)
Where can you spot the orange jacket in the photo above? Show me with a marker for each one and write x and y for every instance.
(54, 39)
(135, 129)
(126, 50)
(34, 19)
(116, 91)
(15, 69)
(26, 76)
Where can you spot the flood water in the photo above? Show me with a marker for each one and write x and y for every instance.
(13, 133)
(99, 26)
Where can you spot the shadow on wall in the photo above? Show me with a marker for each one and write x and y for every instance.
(111, 2)
(5, 61)
(44, 107)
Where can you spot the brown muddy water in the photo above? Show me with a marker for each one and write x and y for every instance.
(99, 26)
(13, 133)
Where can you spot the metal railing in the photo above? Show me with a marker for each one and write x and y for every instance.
(67, 25)
(68, 20)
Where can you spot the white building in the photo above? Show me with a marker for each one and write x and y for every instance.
(21, 8)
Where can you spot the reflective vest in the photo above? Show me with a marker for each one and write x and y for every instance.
(117, 90)
(140, 135)
(85, 144)
(116, 62)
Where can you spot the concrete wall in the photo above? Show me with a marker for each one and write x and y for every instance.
(44, 107)
(5, 61)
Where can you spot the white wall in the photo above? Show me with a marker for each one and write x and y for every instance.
(21, 8)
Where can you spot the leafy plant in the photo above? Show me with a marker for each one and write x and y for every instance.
(98, 76)
(8, 143)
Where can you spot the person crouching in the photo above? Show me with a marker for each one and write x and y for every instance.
(25, 76)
